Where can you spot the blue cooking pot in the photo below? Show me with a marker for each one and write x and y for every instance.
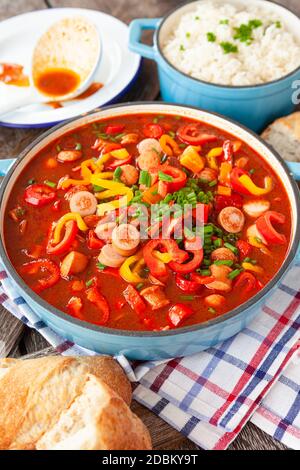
(254, 106)
(164, 344)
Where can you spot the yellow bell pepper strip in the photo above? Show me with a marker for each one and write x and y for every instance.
(252, 267)
(224, 175)
(212, 157)
(106, 175)
(102, 159)
(117, 189)
(224, 190)
(113, 205)
(169, 146)
(120, 154)
(70, 182)
(191, 160)
(63, 220)
(88, 167)
(126, 272)
(138, 266)
(250, 186)
(164, 257)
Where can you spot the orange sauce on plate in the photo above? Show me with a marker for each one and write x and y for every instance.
(12, 74)
(57, 82)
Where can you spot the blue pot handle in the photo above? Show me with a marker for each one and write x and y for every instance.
(295, 169)
(136, 28)
(5, 165)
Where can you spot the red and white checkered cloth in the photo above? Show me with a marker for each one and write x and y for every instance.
(210, 396)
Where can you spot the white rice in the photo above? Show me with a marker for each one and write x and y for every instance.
(273, 53)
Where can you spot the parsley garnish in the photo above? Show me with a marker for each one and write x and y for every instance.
(224, 21)
(244, 32)
(228, 47)
(211, 37)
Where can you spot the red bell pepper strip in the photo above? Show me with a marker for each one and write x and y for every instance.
(265, 223)
(95, 297)
(43, 266)
(228, 151)
(153, 131)
(74, 307)
(201, 280)
(93, 242)
(178, 313)
(234, 200)
(113, 165)
(64, 245)
(39, 195)
(186, 285)
(157, 267)
(236, 185)
(178, 180)
(190, 266)
(244, 248)
(192, 134)
(112, 130)
(134, 300)
(245, 282)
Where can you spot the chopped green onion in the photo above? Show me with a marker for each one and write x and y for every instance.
(155, 120)
(213, 183)
(139, 286)
(223, 262)
(89, 283)
(164, 158)
(234, 274)
(224, 21)
(187, 35)
(32, 181)
(206, 262)
(231, 247)
(117, 173)
(182, 146)
(164, 177)
(197, 17)
(205, 272)
(172, 134)
(211, 310)
(50, 184)
(145, 178)
(58, 148)
(97, 188)
(218, 242)
(100, 266)
(278, 24)
(187, 297)
(252, 171)
(182, 48)
(247, 260)
(78, 146)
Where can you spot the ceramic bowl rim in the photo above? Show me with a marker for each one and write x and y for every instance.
(220, 86)
(128, 333)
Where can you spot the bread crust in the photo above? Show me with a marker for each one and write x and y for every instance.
(290, 122)
(34, 392)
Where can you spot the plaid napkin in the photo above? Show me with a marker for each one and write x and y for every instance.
(211, 395)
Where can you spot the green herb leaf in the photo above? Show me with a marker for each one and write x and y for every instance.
(211, 37)
(228, 47)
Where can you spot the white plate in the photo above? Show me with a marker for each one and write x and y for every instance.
(117, 69)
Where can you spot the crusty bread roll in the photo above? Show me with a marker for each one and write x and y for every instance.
(34, 393)
(98, 419)
(284, 136)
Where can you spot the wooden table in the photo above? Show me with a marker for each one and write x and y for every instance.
(17, 340)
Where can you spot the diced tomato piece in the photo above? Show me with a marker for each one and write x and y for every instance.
(112, 130)
(186, 285)
(74, 307)
(235, 200)
(178, 313)
(153, 131)
(134, 300)
(42, 266)
(64, 245)
(39, 195)
(189, 266)
(244, 248)
(96, 298)
(193, 135)
(94, 243)
(265, 226)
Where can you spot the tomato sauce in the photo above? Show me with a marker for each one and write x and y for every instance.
(101, 290)
(57, 82)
